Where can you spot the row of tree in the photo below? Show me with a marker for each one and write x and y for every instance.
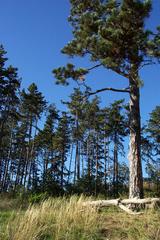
(79, 150)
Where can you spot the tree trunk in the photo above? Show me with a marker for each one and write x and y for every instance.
(97, 163)
(88, 158)
(115, 166)
(70, 164)
(17, 174)
(134, 156)
(105, 163)
(62, 166)
(77, 161)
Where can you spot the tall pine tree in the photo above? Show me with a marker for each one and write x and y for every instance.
(113, 34)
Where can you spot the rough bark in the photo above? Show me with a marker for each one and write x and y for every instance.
(134, 156)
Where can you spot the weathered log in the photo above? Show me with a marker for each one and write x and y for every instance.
(140, 201)
(126, 209)
(122, 203)
(115, 202)
(102, 203)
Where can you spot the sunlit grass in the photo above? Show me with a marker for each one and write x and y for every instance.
(56, 219)
(119, 225)
(66, 219)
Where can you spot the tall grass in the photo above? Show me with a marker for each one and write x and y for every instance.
(119, 225)
(56, 219)
(66, 219)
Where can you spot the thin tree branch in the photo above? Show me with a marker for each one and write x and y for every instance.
(98, 65)
(126, 90)
(113, 69)
(122, 73)
(147, 63)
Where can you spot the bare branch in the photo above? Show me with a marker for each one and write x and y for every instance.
(125, 90)
(113, 69)
(147, 63)
(96, 66)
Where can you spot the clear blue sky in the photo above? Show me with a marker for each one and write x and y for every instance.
(33, 33)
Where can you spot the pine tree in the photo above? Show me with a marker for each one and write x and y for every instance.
(62, 145)
(46, 148)
(153, 132)
(9, 116)
(76, 109)
(32, 106)
(113, 34)
(92, 146)
(154, 126)
(117, 131)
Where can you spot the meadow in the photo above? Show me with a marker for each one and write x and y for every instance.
(66, 219)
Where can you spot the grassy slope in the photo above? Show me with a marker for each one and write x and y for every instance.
(61, 219)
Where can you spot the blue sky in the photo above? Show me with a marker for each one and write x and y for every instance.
(34, 31)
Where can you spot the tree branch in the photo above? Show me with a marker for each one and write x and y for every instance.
(98, 65)
(147, 63)
(120, 72)
(126, 90)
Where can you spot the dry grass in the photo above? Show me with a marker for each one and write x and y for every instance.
(118, 225)
(56, 219)
(65, 219)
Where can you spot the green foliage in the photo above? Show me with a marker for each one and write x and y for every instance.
(62, 73)
(112, 33)
(75, 151)
(37, 197)
(86, 185)
(154, 125)
(151, 150)
(33, 101)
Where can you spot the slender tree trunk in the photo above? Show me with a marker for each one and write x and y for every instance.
(82, 161)
(77, 161)
(27, 168)
(97, 163)
(88, 158)
(75, 170)
(105, 163)
(77, 156)
(109, 167)
(115, 166)
(62, 166)
(7, 163)
(70, 163)
(32, 157)
(134, 156)
(18, 170)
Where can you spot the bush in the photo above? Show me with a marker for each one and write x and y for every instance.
(37, 197)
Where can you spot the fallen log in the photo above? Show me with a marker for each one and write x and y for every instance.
(122, 203)
(128, 210)
(102, 203)
(140, 201)
(115, 202)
